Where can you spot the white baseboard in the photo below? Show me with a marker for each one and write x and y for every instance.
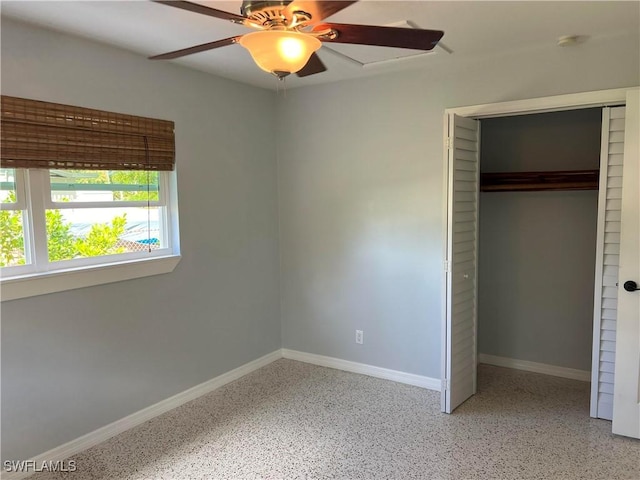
(354, 367)
(119, 426)
(564, 372)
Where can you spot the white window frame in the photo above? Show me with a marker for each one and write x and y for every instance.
(39, 276)
(21, 204)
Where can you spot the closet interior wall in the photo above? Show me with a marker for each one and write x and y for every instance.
(537, 248)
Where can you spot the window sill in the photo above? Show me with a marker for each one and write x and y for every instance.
(50, 282)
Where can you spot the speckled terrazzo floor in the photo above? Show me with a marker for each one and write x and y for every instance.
(291, 420)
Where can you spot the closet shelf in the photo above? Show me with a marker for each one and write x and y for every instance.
(537, 181)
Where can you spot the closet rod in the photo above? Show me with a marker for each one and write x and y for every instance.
(539, 181)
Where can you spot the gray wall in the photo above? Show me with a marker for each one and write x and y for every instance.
(361, 197)
(78, 360)
(537, 249)
(361, 209)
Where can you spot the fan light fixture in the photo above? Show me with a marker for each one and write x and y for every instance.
(280, 52)
(290, 31)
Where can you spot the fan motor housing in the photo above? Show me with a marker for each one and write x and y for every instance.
(263, 10)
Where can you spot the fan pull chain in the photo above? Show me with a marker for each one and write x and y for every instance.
(281, 81)
(284, 87)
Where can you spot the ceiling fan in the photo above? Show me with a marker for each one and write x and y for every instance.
(290, 32)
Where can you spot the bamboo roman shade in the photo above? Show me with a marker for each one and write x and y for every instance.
(50, 135)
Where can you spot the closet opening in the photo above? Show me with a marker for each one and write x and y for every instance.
(537, 236)
(614, 354)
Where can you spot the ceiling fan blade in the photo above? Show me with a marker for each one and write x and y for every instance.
(318, 9)
(412, 38)
(313, 66)
(197, 8)
(198, 48)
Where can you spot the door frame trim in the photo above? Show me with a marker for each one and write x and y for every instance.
(556, 103)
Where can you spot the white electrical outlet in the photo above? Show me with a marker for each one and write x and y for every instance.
(359, 337)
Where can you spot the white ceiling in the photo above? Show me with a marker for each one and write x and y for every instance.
(472, 29)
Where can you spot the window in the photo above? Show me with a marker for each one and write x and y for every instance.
(82, 190)
(120, 214)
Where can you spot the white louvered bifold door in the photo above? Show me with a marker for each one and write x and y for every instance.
(461, 263)
(626, 393)
(607, 261)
